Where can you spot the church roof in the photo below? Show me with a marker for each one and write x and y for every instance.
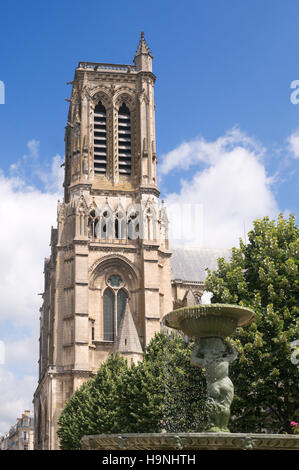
(189, 264)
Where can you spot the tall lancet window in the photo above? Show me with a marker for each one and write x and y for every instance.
(124, 140)
(100, 139)
(108, 310)
(114, 305)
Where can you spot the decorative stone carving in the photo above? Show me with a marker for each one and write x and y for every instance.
(191, 441)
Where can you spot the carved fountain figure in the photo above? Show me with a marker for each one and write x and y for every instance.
(220, 388)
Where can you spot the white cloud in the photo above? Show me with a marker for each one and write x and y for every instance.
(23, 351)
(233, 188)
(27, 214)
(16, 395)
(293, 143)
(33, 146)
(52, 177)
(201, 151)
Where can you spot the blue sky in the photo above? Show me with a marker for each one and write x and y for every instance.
(218, 63)
(224, 70)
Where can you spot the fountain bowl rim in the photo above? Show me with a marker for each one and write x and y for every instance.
(243, 315)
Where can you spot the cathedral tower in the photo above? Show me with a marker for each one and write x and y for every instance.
(108, 279)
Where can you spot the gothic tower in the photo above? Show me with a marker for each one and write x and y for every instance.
(108, 279)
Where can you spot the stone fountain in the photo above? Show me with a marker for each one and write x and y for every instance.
(208, 325)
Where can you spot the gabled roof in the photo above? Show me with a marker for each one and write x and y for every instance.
(189, 264)
(127, 340)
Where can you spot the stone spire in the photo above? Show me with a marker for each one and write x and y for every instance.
(127, 341)
(143, 57)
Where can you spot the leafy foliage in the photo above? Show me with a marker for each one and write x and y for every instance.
(169, 392)
(264, 275)
(94, 407)
(162, 392)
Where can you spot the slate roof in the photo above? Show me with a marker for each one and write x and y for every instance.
(190, 264)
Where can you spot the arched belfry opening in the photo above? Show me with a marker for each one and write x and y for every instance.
(100, 139)
(124, 141)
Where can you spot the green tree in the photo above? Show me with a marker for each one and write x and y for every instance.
(167, 392)
(264, 275)
(162, 392)
(94, 408)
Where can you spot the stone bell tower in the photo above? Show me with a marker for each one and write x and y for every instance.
(108, 279)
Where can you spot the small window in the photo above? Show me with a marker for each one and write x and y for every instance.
(115, 281)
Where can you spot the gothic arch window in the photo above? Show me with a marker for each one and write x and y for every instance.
(108, 314)
(120, 225)
(114, 304)
(124, 140)
(105, 225)
(100, 139)
(134, 225)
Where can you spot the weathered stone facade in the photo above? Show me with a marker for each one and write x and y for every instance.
(108, 281)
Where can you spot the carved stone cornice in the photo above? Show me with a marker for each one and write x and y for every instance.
(149, 190)
(190, 284)
(147, 74)
(114, 192)
(80, 186)
(150, 246)
(164, 253)
(115, 249)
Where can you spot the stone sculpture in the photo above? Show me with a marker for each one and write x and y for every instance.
(215, 354)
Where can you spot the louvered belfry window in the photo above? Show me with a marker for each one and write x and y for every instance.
(100, 139)
(124, 141)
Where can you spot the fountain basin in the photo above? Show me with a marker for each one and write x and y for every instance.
(190, 441)
(211, 320)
